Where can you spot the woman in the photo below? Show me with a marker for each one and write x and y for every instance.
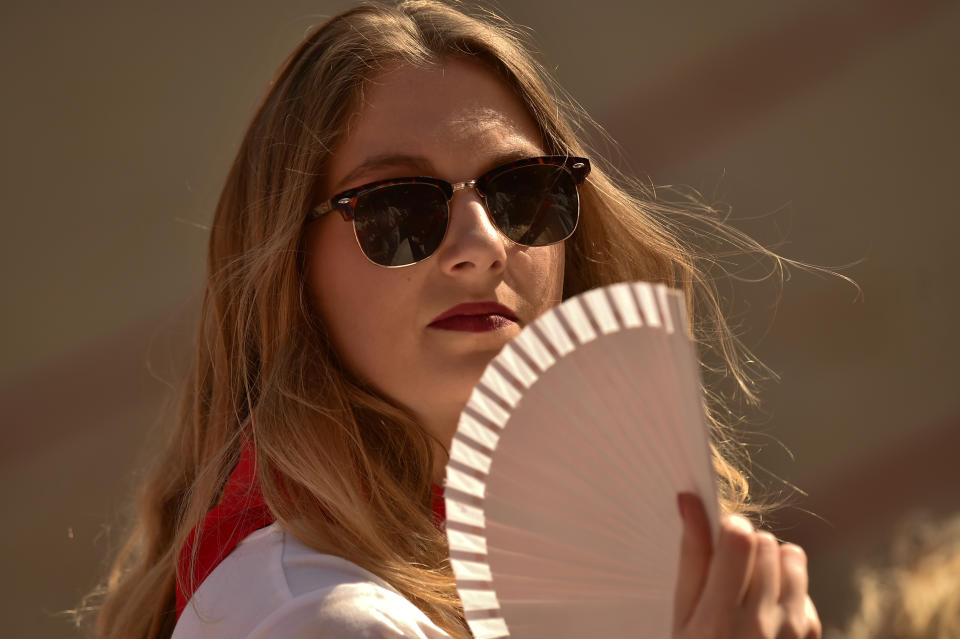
(341, 336)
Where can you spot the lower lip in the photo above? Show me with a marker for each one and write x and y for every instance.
(473, 323)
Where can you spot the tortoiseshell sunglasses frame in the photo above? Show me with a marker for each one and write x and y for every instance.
(346, 201)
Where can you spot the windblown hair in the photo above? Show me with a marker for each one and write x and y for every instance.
(264, 366)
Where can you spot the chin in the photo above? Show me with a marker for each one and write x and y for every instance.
(457, 378)
(446, 349)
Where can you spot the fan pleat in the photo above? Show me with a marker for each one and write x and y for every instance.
(476, 428)
(497, 385)
(489, 629)
(479, 600)
(529, 343)
(647, 303)
(469, 453)
(465, 483)
(621, 299)
(576, 322)
(554, 334)
(488, 406)
(466, 542)
(520, 367)
(457, 511)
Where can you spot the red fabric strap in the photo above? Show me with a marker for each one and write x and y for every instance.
(241, 511)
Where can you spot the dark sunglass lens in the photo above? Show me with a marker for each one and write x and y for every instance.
(534, 205)
(400, 224)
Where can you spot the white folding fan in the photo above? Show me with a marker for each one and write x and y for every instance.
(563, 473)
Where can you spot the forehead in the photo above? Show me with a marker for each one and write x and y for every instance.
(457, 115)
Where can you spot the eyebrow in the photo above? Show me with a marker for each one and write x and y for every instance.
(421, 165)
(382, 161)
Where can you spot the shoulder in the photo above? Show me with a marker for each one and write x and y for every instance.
(273, 586)
(356, 610)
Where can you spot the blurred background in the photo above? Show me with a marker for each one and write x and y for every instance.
(829, 127)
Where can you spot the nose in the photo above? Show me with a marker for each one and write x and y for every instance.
(473, 248)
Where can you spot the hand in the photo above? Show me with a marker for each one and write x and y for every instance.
(750, 587)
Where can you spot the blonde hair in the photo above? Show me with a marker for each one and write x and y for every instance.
(265, 366)
(917, 596)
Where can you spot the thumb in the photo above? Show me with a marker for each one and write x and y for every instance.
(696, 549)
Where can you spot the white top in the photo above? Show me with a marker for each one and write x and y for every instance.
(273, 586)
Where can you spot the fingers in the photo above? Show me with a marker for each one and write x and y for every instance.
(732, 566)
(793, 585)
(799, 614)
(813, 620)
(765, 586)
(696, 548)
(749, 586)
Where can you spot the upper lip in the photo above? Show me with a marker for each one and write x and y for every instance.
(476, 308)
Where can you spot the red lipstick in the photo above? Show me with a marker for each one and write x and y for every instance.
(475, 317)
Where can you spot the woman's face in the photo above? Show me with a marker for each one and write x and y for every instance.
(453, 122)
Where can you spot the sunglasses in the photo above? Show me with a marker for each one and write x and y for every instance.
(402, 221)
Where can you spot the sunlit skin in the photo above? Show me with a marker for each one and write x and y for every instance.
(455, 122)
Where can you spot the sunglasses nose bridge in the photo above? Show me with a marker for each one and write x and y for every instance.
(472, 184)
(469, 184)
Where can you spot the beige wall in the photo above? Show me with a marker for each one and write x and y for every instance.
(830, 127)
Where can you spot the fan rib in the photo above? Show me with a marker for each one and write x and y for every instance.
(489, 629)
(476, 427)
(478, 614)
(467, 555)
(612, 303)
(478, 600)
(623, 301)
(545, 342)
(663, 301)
(475, 585)
(472, 570)
(463, 513)
(515, 364)
(467, 529)
(500, 387)
(466, 483)
(559, 336)
(495, 396)
(582, 320)
(468, 453)
(530, 344)
(467, 542)
(472, 444)
(486, 410)
(508, 375)
(574, 321)
(601, 312)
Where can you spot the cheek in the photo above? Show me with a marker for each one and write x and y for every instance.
(367, 310)
(558, 269)
(546, 275)
(341, 288)
(536, 275)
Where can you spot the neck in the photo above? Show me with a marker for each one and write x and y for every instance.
(441, 429)
(439, 463)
